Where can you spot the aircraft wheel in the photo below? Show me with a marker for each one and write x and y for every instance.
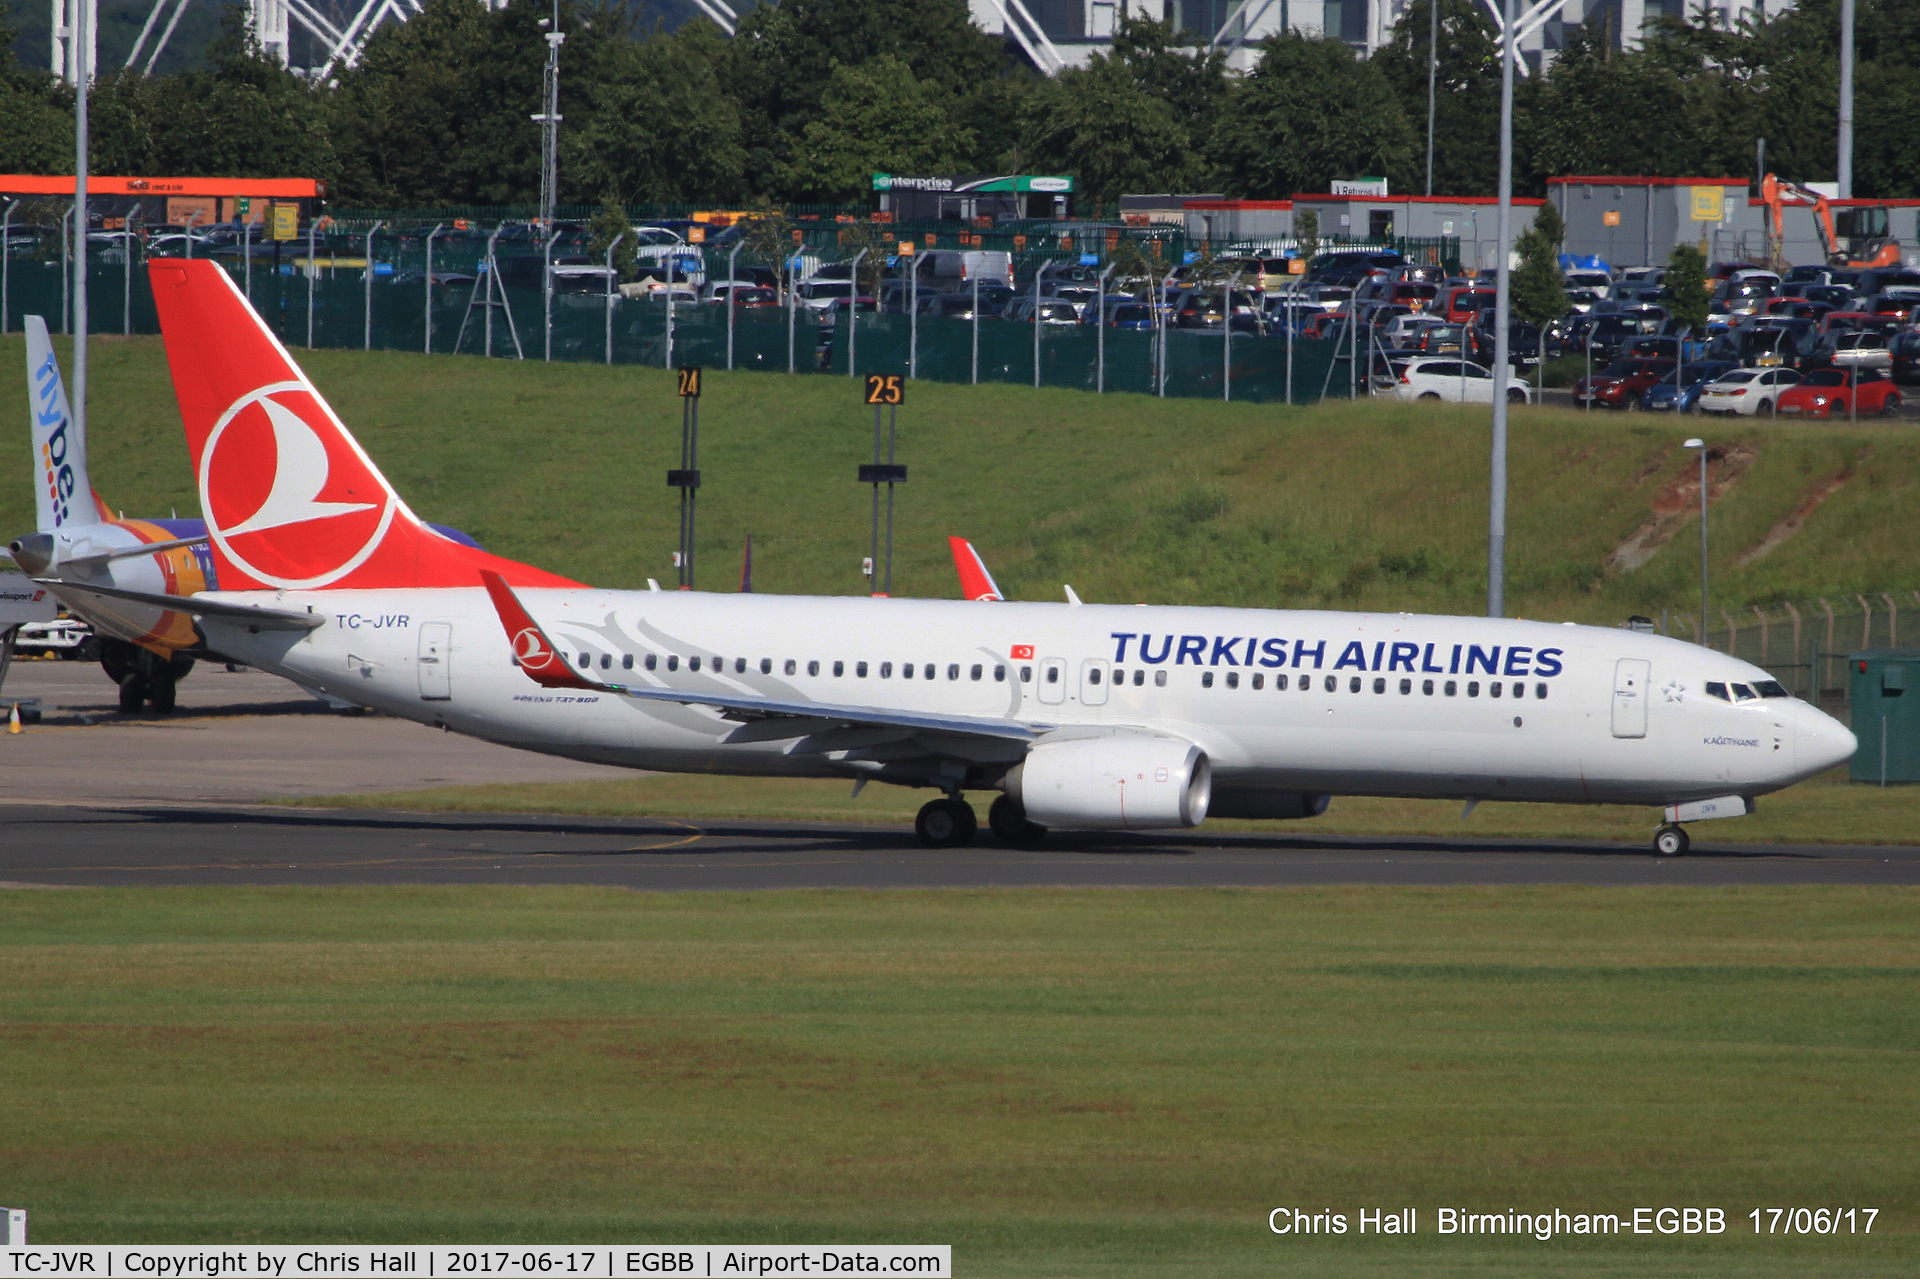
(945, 823)
(133, 692)
(1670, 841)
(160, 692)
(1009, 824)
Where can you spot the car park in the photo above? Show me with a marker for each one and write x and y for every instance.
(1121, 313)
(818, 295)
(1021, 310)
(1747, 392)
(1856, 350)
(1350, 266)
(951, 306)
(1841, 393)
(1680, 389)
(1452, 380)
(1903, 357)
(1621, 384)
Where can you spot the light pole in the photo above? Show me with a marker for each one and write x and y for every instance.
(366, 323)
(609, 282)
(1433, 70)
(1845, 167)
(427, 307)
(1702, 446)
(732, 302)
(546, 295)
(853, 313)
(6, 260)
(1502, 311)
(82, 53)
(1099, 333)
(313, 269)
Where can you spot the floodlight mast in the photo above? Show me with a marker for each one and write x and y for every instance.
(549, 121)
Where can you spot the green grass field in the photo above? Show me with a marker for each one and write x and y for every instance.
(1825, 809)
(1126, 497)
(1056, 1082)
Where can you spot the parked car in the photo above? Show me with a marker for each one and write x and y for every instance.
(1350, 266)
(1201, 308)
(1455, 381)
(1747, 392)
(1621, 384)
(1051, 311)
(1680, 390)
(818, 294)
(66, 638)
(1122, 313)
(1853, 351)
(1841, 393)
(952, 306)
(1462, 303)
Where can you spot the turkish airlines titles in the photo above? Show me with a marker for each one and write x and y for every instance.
(1386, 656)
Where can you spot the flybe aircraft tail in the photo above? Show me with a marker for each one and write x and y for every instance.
(290, 498)
(62, 496)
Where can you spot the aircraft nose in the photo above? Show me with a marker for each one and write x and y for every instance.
(33, 553)
(1820, 741)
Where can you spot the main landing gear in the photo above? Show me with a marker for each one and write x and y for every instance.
(946, 823)
(1009, 824)
(1670, 841)
(144, 676)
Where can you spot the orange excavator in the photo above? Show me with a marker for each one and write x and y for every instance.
(1867, 247)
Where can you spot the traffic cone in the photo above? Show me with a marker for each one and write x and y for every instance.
(13, 719)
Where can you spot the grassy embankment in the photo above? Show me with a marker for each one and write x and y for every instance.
(1060, 1083)
(1126, 497)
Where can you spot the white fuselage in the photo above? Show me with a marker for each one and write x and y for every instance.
(1321, 702)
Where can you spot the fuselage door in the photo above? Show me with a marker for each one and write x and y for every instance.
(436, 680)
(1630, 678)
(1053, 681)
(1094, 674)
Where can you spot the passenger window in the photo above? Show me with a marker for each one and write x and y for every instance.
(1279, 683)
(626, 661)
(1053, 674)
(1715, 689)
(586, 660)
(652, 662)
(1233, 679)
(693, 663)
(953, 671)
(1539, 692)
(1093, 675)
(839, 669)
(1259, 682)
(813, 668)
(766, 666)
(1353, 685)
(906, 670)
(1333, 683)
(739, 666)
(860, 670)
(791, 667)
(1473, 688)
(975, 672)
(1493, 688)
(927, 673)
(606, 662)
(1451, 688)
(1139, 678)
(1406, 686)
(1159, 679)
(886, 670)
(1426, 687)
(1026, 674)
(1379, 685)
(673, 661)
(1519, 689)
(999, 674)
(1206, 679)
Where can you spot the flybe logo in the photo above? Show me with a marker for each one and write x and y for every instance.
(1381, 655)
(56, 445)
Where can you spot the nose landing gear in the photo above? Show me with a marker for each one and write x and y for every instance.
(1670, 841)
(946, 823)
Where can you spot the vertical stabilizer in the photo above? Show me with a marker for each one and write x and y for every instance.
(62, 497)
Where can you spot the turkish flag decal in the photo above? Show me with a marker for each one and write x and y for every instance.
(1023, 652)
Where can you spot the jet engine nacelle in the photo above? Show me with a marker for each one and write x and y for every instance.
(1267, 805)
(1123, 782)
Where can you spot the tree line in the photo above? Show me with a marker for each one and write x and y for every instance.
(812, 96)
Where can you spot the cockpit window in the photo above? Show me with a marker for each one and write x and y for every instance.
(1718, 690)
(1769, 688)
(1743, 693)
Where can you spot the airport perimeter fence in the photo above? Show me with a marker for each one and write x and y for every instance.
(329, 296)
(1804, 644)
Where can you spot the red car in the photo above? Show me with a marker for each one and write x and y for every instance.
(1621, 384)
(1464, 303)
(1840, 393)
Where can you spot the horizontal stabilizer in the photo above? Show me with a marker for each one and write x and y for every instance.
(263, 619)
(134, 552)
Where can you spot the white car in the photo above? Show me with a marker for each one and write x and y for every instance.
(1456, 381)
(1748, 392)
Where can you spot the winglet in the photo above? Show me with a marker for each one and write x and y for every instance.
(975, 582)
(533, 652)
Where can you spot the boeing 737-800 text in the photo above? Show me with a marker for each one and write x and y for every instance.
(1084, 716)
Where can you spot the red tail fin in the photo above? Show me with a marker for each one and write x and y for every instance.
(975, 582)
(290, 498)
(533, 652)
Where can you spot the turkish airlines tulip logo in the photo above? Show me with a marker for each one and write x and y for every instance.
(530, 649)
(289, 497)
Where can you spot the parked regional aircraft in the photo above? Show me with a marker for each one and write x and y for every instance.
(145, 650)
(1088, 716)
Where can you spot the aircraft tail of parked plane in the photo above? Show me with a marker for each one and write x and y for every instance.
(976, 583)
(63, 497)
(291, 500)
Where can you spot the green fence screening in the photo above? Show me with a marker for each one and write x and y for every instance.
(332, 298)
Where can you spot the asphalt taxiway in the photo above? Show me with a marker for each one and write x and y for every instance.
(90, 797)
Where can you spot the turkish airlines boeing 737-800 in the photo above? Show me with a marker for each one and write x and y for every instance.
(1087, 716)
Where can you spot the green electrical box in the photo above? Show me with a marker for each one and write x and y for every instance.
(1886, 715)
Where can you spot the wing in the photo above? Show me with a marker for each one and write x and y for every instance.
(543, 663)
(196, 606)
